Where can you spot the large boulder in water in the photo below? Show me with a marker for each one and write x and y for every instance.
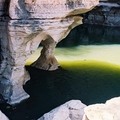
(108, 111)
(71, 110)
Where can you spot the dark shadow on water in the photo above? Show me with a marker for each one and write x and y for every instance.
(51, 89)
(91, 35)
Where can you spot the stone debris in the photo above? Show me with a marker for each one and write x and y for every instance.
(108, 111)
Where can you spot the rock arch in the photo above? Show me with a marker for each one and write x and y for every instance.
(27, 28)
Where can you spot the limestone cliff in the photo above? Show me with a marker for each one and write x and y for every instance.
(110, 110)
(106, 13)
(29, 23)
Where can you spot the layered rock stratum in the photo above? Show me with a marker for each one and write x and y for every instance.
(24, 25)
(107, 13)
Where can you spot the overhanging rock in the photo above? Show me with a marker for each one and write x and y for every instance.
(33, 22)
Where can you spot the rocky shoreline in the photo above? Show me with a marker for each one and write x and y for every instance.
(76, 110)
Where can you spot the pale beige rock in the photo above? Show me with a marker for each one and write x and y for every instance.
(2, 116)
(71, 110)
(49, 8)
(33, 22)
(108, 111)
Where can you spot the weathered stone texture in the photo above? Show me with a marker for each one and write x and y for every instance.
(25, 9)
(71, 110)
(106, 13)
(31, 23)
(108, 111)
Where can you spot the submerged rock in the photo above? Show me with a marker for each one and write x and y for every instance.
(72, 110)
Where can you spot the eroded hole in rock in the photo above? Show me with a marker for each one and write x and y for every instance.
(46, 59)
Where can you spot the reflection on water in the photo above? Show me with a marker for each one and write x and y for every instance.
(90, 73)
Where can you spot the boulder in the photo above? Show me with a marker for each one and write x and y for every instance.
(108, 111)
(71, 110)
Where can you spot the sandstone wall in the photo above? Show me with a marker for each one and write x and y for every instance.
(106, 13)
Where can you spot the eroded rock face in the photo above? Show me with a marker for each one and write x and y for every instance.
(33, 22)
(71, 110)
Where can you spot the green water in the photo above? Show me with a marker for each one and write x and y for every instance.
(90, 81)
(90, 73)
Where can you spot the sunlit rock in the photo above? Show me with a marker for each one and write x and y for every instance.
(32, 22)
(72, 110)
(26, 9)
(56, 19)
(108, 111)
(2, 116)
